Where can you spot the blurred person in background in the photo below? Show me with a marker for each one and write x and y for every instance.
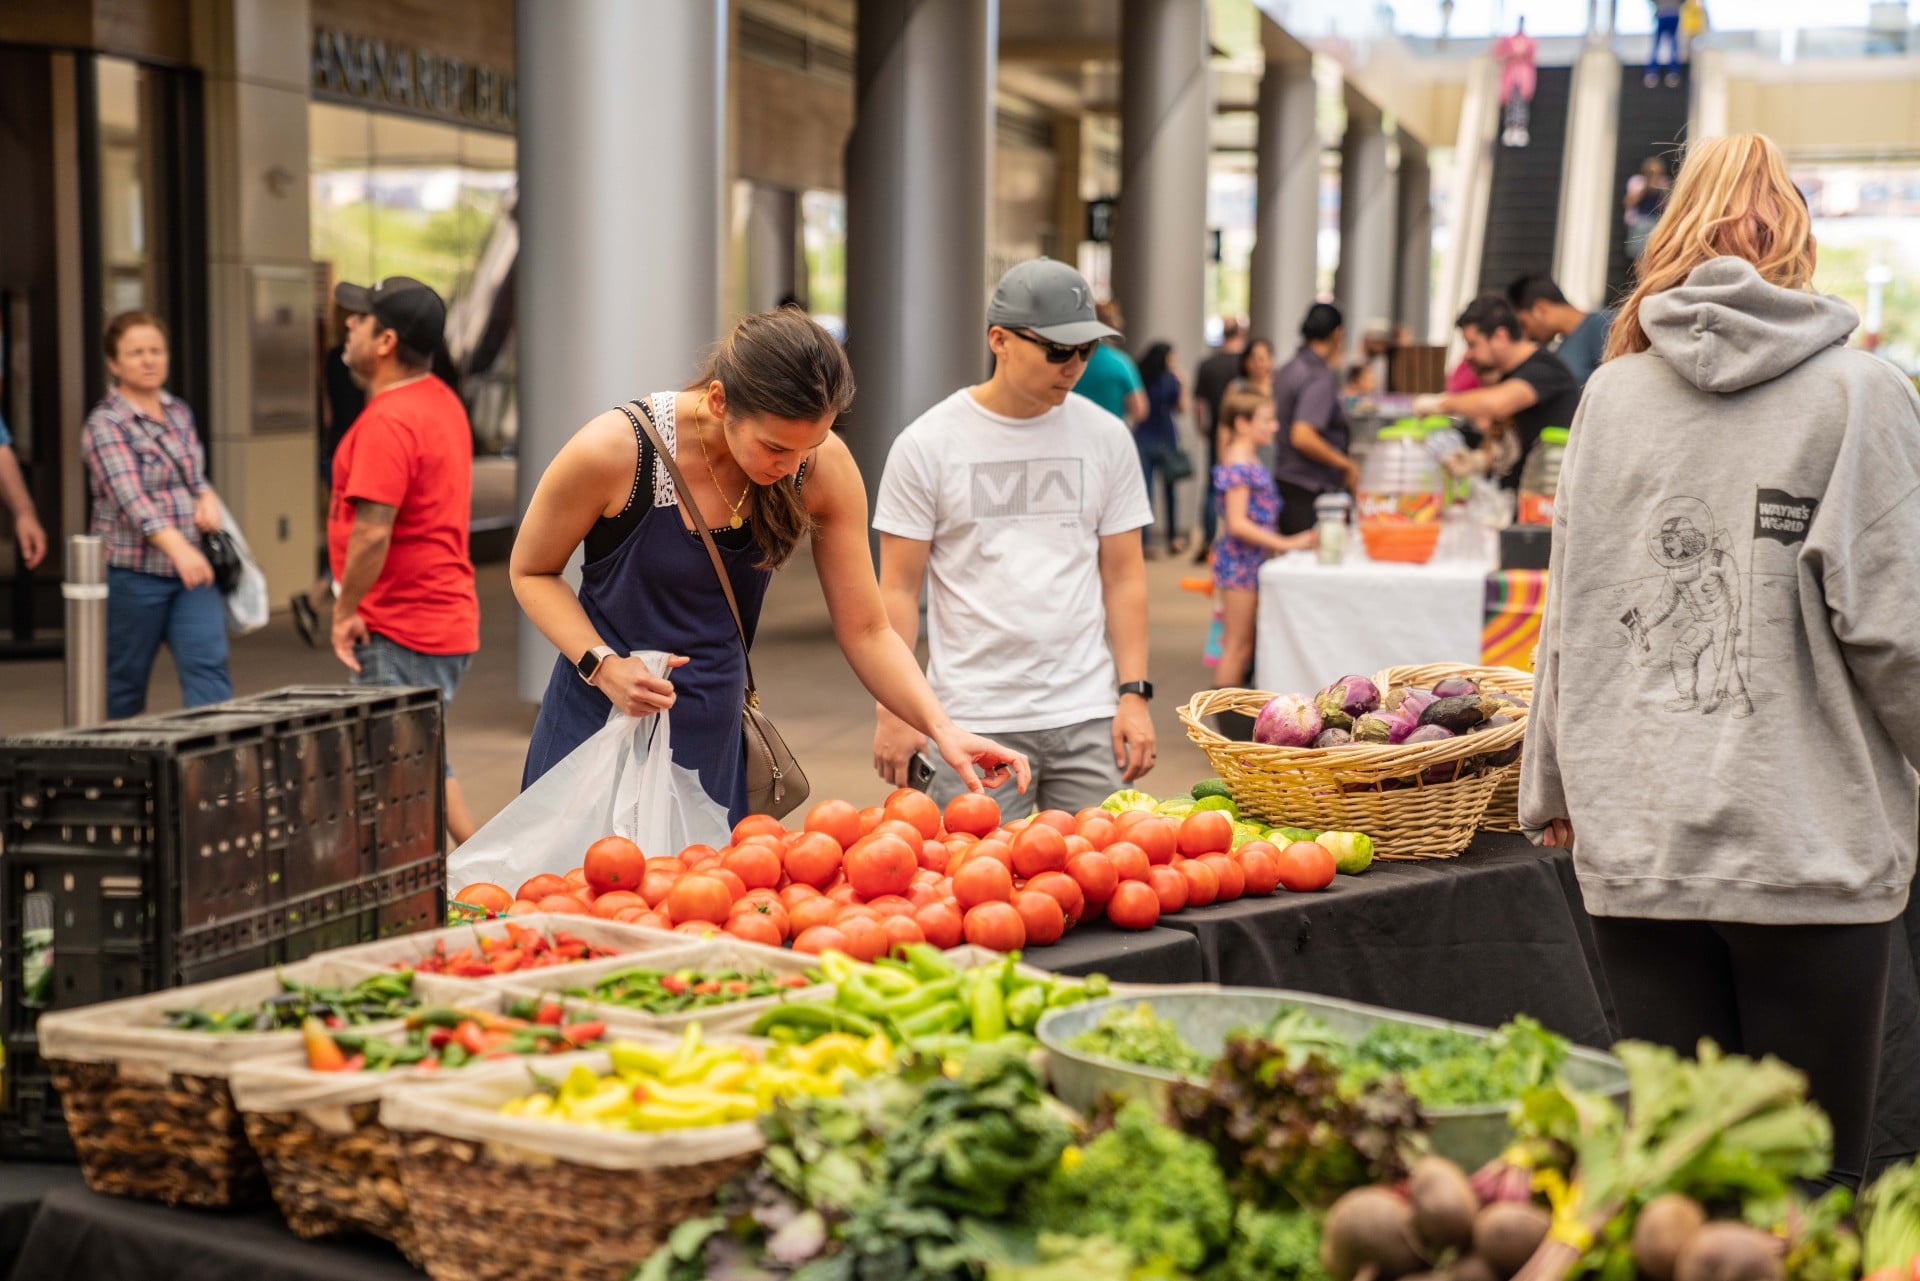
(1666, 35)
(147, 473)
(1692, 749)
(1577, 337)
(1310, 451)
(1533, 389)
(1249, 503)
(1515, 54)
(27, 532)
(341, 400)
(1112, 380)
(1210, 384)
(1646, 197)
(1158, 439)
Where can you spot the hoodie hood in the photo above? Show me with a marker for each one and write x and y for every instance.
(1726, 329)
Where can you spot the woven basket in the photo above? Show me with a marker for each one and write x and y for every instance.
(330, 1179)
(159, 1136)
(1380, 790)
(1503, 811)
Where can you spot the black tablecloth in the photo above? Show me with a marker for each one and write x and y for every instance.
(1158, 955)
(22, 1187)
(81, 1236)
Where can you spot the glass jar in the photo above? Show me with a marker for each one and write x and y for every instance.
(1330, 513)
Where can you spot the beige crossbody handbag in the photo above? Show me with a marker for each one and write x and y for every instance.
(776, 784)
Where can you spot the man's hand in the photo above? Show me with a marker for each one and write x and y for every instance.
(1133, 742)
(32, 539)
(206, 511)
(349, 630)
(964, 751)
(1350, 470)
(631, 686)
(1429, 403)
(894, 743)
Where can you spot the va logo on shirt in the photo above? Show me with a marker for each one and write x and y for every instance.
(1034, 487)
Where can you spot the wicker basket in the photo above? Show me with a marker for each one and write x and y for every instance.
(1380, 790)
(1503, 811)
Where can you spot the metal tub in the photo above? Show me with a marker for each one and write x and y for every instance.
(1470, 1136)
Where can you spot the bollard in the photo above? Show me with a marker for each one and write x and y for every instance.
(85, 590)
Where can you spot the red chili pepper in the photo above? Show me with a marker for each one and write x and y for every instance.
(551, 1015)
(428, 1065)
(738, 985)
(354, 1064)
(506, 962)
(440, 1037)
(791, 980)
(581, 1033)
(673, 983)
(469, 1037)
(708, 988)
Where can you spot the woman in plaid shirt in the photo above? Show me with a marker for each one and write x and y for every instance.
(148, 477)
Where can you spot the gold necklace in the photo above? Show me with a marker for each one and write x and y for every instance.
(735, 522)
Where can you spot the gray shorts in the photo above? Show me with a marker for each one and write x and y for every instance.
(1072, 769)
(388, 662)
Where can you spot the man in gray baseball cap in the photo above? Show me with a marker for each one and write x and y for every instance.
(1020, 505)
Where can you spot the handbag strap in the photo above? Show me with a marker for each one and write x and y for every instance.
(680, 492)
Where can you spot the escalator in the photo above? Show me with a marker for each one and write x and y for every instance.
(1652, 122)
(1523, 211)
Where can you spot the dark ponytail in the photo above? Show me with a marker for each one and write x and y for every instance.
(780, 364)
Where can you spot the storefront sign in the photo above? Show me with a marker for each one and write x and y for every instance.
(368, 72)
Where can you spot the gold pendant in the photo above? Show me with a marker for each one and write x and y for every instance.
(735, 523)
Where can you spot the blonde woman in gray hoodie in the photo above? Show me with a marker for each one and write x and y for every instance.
(1728, 681)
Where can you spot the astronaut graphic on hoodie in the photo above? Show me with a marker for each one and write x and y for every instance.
(1701, 588)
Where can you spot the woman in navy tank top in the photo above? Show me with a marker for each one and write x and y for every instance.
(754, 439)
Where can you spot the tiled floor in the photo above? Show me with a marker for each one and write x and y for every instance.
(806, 685)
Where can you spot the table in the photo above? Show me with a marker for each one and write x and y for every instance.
(1316, 623)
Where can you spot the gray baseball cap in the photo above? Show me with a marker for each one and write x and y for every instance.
(1049, 298)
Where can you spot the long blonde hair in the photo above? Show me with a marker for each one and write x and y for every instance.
(1735, 198)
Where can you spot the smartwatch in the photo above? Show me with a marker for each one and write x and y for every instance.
(1143, 688)
(589, 664)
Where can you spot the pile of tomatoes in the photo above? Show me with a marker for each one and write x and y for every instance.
(861, 881)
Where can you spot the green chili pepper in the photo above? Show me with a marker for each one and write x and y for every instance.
(928, 962)
(811, 1019)
(1026, 1006)
(938, 1020)
(986, 1005)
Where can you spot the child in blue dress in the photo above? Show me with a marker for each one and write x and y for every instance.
(1248, 503)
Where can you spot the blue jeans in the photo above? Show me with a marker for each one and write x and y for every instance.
(387, 662)
(1151, 464)
(145, 609)
(1666, 31)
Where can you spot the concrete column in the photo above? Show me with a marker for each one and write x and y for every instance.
(1413, 283)
(622, 127)
(1160, 223)
(1589, 205)
(1363, 282)
(1287, 204)
(919, 182)
(254, 58)
(772, 246)
(1069, 207)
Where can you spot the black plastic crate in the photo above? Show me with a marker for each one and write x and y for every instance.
(188, 846)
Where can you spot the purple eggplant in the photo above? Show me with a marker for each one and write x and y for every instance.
(1291, 720)
(1494, 721)
(1454, 687)
(1333, 736)
(1428, 734)
(1345, 699)
(1384, 727)
(1461, 712)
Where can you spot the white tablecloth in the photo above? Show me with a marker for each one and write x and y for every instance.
(1318, 623)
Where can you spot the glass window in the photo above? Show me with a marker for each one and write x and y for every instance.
(126, 189)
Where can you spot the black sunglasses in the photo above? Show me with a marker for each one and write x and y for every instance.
(1057, 354)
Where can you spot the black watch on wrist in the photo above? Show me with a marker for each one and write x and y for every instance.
(1143, 688)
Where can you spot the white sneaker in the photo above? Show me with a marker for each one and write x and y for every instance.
(1521, 137)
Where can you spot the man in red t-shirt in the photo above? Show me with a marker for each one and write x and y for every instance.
(397, 523)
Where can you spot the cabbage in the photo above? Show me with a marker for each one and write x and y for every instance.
(1127, 799)
(1291, 720)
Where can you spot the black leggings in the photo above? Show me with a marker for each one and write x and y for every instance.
(1815, 995)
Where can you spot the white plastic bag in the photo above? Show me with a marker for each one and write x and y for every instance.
(247, 607)
(620, 782)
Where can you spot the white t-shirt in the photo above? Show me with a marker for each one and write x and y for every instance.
(1015, 509)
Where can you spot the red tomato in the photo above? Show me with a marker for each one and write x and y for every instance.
(925, 892)
(564, 903)
(522, 906)
(1000, 852)
(694, 853)
(1171, 887)
(837, 819)
(758, 867)
(891, 905)
(1091, 811)
(1156, 835)
(657, 884)
(1260, 862)
(1099, 831)
(901, 931)
(698, 929)
(870, 818)
(1065, 891)
(576, 879)
(808, 913)
(1203, 883)
(1096, 876)
(614, 902)
(974, 813)
(1306, 866)
(535, 888)
(486, 894)
(916, 809)
(866, 938)
(843, 894)
(755, 928)
(1041, 848)
(766, 910)
(1042, 917)
(996, 926)
(1078, 844)
(907, 832)
(735, 886)
(1129, 860)
(656, 921)
(631, 916)
(792, 894)
(1134, 906)
(673, 864)
(814, 860)
(699, 897)
(1206, 832)
(758, 825)
(1233, 881)
(881, 864)
(1059, 820)
(614, 863)
(821, 938)
(934, 856)
(941, 923)
(982, 880)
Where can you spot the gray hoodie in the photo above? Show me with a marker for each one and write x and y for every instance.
(1728, 681)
